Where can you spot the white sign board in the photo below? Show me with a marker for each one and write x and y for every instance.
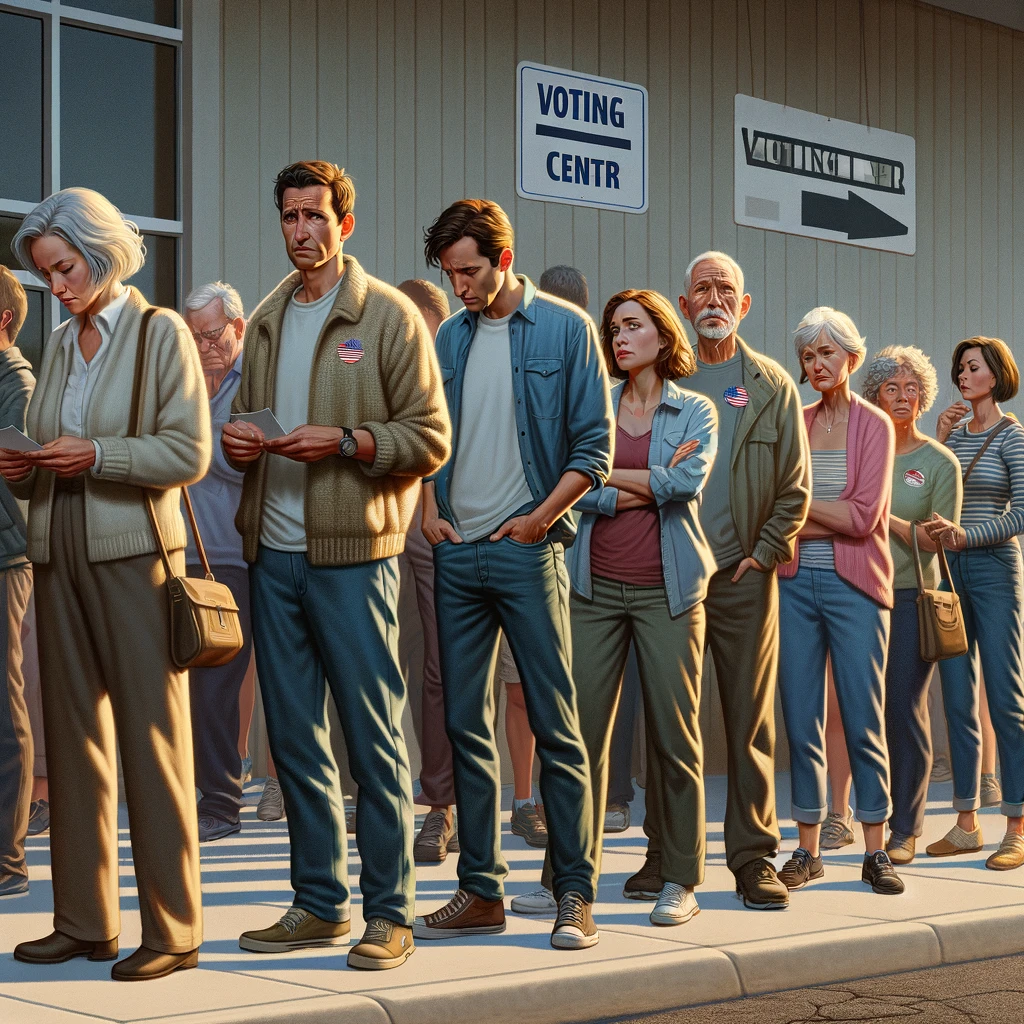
(807, 174)
(582, 139)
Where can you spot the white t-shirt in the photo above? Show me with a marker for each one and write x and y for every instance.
(284, 504)
(488, 481)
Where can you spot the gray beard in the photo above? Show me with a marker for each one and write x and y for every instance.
(715, 333)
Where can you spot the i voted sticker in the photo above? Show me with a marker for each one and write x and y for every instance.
(736, 397)
(913, 478)
(350, 351)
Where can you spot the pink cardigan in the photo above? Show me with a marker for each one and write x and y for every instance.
(863, 558)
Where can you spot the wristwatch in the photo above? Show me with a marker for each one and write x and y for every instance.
(348, 445)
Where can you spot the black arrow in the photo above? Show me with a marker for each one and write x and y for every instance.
(854, 216)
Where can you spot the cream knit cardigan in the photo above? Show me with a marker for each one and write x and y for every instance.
(174, 449)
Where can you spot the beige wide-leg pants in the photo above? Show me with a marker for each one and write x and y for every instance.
(106, 673)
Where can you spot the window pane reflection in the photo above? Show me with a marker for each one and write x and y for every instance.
(156, 12)
(129, 152)
(8, 229)
(21, 108)
(158, 279)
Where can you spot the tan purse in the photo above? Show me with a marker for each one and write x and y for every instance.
(940, 620)
(205, 627)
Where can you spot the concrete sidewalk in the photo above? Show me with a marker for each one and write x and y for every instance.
(836, 929)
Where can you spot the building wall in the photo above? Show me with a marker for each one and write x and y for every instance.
(416, 99)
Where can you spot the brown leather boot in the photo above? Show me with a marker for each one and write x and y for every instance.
(147, 964)
(58, 948)
(464, 914)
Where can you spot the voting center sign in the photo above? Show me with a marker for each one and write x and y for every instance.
(807, 174)
(582, 140)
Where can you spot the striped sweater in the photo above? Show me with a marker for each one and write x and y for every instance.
(993, 509)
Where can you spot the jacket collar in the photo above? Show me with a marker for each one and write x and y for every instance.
(526, 305)
(348, 303)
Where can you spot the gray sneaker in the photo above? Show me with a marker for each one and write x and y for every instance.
(616, 818)
(836, 832)
(527, 822)
(991, 791)
(540, 901)
(211, 829)
(941, 770)
(271, 805)
(38, 817)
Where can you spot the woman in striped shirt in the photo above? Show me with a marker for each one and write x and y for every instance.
(986, 570)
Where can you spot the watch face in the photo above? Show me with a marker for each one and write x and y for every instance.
(349, 446)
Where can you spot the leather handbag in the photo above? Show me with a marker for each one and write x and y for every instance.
(205, 627)
(940, 620)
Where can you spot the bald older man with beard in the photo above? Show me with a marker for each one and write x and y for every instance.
(754, 504)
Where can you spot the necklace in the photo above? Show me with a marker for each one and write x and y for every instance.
(828, 426)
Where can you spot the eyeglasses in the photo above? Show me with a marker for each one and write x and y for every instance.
(211, 336)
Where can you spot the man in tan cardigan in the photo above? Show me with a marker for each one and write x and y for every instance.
(346, 364)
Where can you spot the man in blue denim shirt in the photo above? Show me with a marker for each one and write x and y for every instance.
(532, 429)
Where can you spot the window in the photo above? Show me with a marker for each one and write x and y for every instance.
(89, 95)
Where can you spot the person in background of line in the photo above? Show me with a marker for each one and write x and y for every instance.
(985, 563)
(214, 315)
(16, 750)
(901, 381)
(565, 282)
(835, 599)
(439, 835)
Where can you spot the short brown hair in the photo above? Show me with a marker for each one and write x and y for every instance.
(479, 219)
(307, 173)
(1000, 361)
(676, 359)
(13, 297)
(427, 296)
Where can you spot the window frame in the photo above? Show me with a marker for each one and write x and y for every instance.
(54, 14)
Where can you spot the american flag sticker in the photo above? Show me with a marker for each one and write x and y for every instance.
(736, 397)
(350, 351)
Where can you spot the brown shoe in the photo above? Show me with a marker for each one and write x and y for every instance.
(58, 948)
(464, 914)
(148, 965)
(1010, 854)
(437, 838)
(955, 842)
(384, 944)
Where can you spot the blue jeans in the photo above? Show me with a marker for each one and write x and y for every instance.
(820, 614)
(989, 582)
(523, 589)
(339, 623)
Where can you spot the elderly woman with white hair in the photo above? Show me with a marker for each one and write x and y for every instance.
(835, 598)
(901, 381)
(105, 661)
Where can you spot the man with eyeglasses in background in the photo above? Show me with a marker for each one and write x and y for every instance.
(214, 315)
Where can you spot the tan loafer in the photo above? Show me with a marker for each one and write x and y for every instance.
(58, 948)
(384, 944)
(955, 842)
(901, 848)
(1010, 854)
(148, 965)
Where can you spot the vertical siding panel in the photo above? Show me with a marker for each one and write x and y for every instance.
(635, 69)
(273, 136)
(902, 81)
(776, 342)
(408, 228)
(826, 104)
(961, 206)
(679, 140)
(429, 196)
(529, 212)
(724, 82)
(610, 225)
(659, 211)
(701, 170)
(974, 184)
(361, 148)
(557, 216)
(500, 148)
(868, 319)
(244, 190)
(1017, 119)
(801, 253)
(849, 107)
(924, 131)
(454, 141)
(386, 243)
(476, 94)
(943, 171)
(585, 234)
(1005, 155)
(301, 91)
(887, 262)
(332, 83)
(987, 154)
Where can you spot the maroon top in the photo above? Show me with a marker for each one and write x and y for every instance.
(626, 547)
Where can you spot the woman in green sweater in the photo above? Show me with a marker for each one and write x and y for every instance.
(901, 381)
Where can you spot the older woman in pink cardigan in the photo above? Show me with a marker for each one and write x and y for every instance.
(835, 598)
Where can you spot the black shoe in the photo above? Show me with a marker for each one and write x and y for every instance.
(800, 869)
(879, 873)
(760, 888)
(38, 817)
(647, 883)
(211, 829)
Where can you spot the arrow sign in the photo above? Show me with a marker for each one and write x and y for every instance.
(853, 216)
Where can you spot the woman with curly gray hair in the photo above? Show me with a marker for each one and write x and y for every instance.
(902, 382)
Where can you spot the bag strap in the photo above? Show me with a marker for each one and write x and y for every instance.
(940, 551)
(135, 419)
(999, 428)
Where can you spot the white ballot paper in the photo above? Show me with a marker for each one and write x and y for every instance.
(15, 440)
(264, 419)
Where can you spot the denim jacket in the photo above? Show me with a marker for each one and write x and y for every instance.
(686, 559)
(563, 408)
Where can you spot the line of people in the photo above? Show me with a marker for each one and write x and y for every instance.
(693, 505)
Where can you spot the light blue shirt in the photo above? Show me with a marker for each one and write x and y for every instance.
(686, 559)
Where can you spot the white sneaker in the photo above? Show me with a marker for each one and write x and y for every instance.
(540, 902)
(675, 905)
(271, 805)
